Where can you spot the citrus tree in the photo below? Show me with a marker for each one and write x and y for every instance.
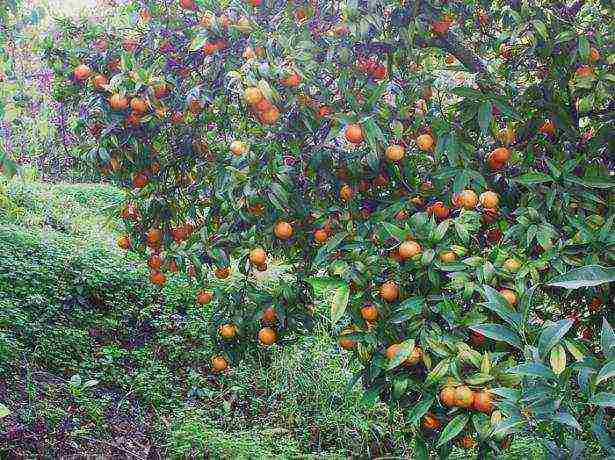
(437, 174)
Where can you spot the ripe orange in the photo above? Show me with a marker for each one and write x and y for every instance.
(223, 272)
(154, 236)
(238, 148)
(430, 422)
(483, 402)
(82, 72)
(187, 4)
(346, 343)
(253, 95)
(270, 116)
(123, 242)
(595, 305)
(467, 442)
(501, 155)
(424, 142)
(354, 133)
(138, 105)
(438, 209)
(118, 102)
(510, 296)
(204, 297)
(369, 313)
(512, 265)
(594, 55)
(100, 81)
(467, 199)
(409, 249)
(548, 127)
(389, 291)
(283, 230)
(269, 315)
(258, 256)
(448, 257)
(584, 71)
(267, 336)
(219, 364)
(447, 396)
(346, 192)
(263, 106)
(440, 27)
(489, 199)
(395, 152)
(464, 397)
(154, 262)
(320, 236)
(157, 278)
(228, 331)
(292, 80)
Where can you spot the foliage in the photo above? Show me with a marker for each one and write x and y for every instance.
(425, 167)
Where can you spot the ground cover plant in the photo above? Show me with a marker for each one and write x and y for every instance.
(437, 176)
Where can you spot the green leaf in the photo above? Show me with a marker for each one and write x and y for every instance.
(566, 419)
(533, 370)
(339, 302)
(419, 409)
(407, 309)
(324, 251)
(533, 178)
(396, 232)
(541, 28)
(558, 359)
(607, 340)
(469, 93)
(499, 332)
(420, 449)
(591, 275)
(484, 116)
(453, 428)
(604, 399)
(499, 305)
(607, 371)
(552, 334)
(322, 284)
(583, 47)
(4, 411)
(593, 182)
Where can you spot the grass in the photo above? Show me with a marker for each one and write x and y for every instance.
(95, 360)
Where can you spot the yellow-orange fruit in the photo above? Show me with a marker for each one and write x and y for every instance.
(389, 291)
(424, 142)
(369, 313)
(267, 336)
(219, 364)
(354, 133)
(228, 331)
(258, 256)
(283, 230)
(395, 152)
(489, 200)
(409, 249)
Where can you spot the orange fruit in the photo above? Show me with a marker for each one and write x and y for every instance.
(510, 296)
(154, 262)
(320, 236)
(140, 180)
(467, 199)
(354, 133)
(594, 54)
(270, 116)
(464, 397)
(154, 236)
(258, 256)
(345, 342)
(204, 297)
(441, 27)
(489, 200)
(269, 315)
(389, 291)
(228, 331)
(157, 278)
(501, 155)
(100, 81)
(409, 249)
(512, 265)
(483, 402)
(263, 106)
(584, 71)
(395, 152)
(238, 148)
(283, 230)
(292, 80)
(430, 422)
(424, 142)
(548, 127)
(467, 442)
(82, 72)
(138, 105)
(123, 242)
(267, 336)
(447, 396)
(223, 272)
(369, 313)
(160, 91)
(118, 102)
(253, 95)
(346, 192)
(219, 364)
(438, 209)
(187, 4)
(448, 257)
